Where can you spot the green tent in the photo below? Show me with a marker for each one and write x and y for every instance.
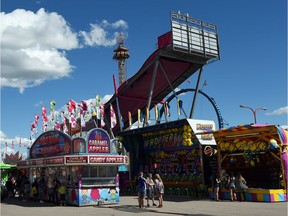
(6, 166)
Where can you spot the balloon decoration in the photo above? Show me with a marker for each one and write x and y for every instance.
(273, 144)
(187, 135)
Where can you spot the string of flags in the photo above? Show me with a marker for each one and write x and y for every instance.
(90, 110)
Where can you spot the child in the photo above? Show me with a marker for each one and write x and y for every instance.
(62, 191)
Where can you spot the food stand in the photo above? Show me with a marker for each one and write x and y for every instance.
(184, 161)
(259, 153)
(87, 165)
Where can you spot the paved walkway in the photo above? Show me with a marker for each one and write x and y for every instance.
(128, 206)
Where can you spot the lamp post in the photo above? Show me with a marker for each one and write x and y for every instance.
(254, 111)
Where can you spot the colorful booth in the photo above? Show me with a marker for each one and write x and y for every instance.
(87, 165)
(259, 153)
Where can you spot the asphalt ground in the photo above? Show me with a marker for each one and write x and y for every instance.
(128, 205)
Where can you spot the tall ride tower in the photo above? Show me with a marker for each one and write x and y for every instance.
(121, 54)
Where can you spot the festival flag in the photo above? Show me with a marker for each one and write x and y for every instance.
(36, 119)
(167, 113)
(84, 106)
(129, 118)
(82, 121)
(113, 117)
(180, 105)
(33, 127)
(72, 121)
(97, 100)
(102, 115)
(92, 109)
(65, 128)
(72, 106)
(44, 111)
(20, 143)
(139, 116)
(147, 116)
(12, 144)
(52, 108)
(57, 126)
(98, 106)
(156, 110)
(178, 108)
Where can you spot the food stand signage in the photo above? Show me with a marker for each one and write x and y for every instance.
(98, 141)
(76, 160)
(107, 159)
(200, 126)
(51, 143)
(54, 161)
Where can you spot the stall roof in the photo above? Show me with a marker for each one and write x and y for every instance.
(266, 132)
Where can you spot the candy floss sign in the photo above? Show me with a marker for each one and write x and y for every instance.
(98, 141)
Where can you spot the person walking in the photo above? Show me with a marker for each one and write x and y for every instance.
(159, 186)
(141, 189)
(240, 184)
(150, 189)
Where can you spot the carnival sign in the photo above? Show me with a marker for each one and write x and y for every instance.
(98, 141)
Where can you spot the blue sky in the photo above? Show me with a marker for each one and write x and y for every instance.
(63, 50)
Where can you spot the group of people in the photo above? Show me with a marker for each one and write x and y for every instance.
(236, 186)
(149, 189)
(39, 190)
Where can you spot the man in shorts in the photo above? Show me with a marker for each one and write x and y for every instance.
(142, 190)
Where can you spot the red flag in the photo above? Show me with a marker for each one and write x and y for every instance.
(72, 120)
(44, 111)
(84, 105)
(71, 106)
(36, 119)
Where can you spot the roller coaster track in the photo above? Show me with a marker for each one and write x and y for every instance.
(210, 99)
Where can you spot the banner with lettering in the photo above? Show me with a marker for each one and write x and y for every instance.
(98, 141)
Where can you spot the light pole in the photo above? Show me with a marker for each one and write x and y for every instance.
(254, 111)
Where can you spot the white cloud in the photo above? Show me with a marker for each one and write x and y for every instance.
(34, 46)
(280, 111)
(100, 34)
